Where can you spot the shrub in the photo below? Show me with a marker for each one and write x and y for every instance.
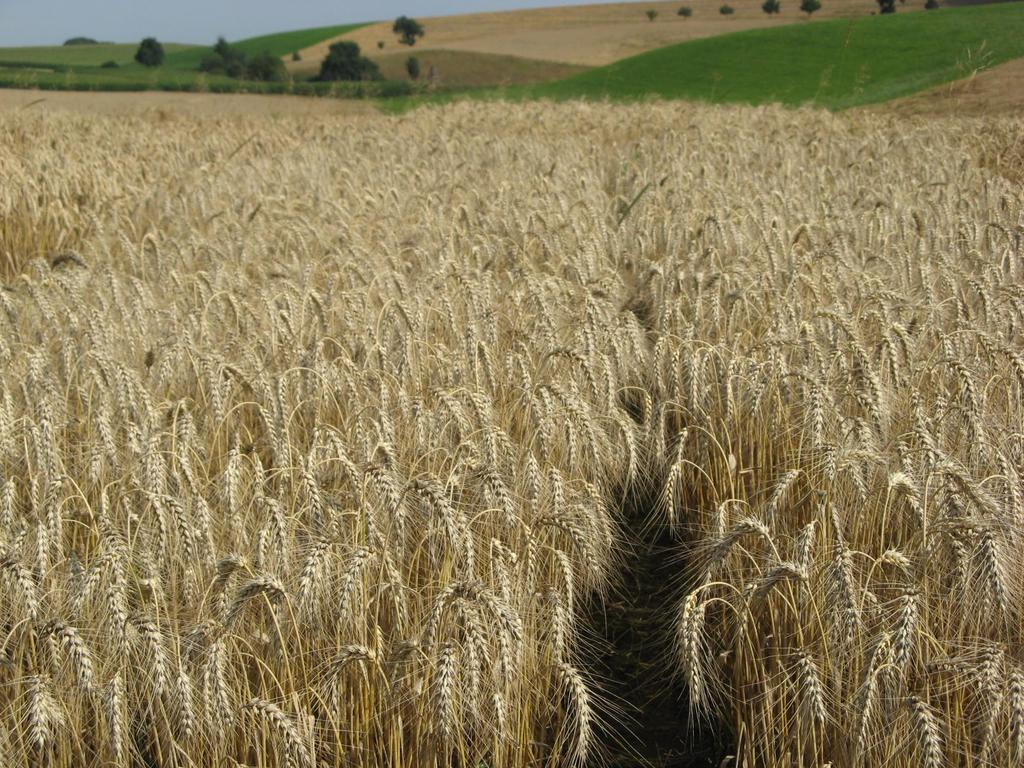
(726, 10)
(266, 67)
(225, 59)
(412, 66)
(345, 62)
(109, 65)
(771, 6)
(150, 53)
(391, 89)
(685, 11)
(407, 29)
(652, 15)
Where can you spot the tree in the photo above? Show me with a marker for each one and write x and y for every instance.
(345, 62)
(412, 66)
(81, 41)
(296, 56)
(685, 11)
(652, 15)
(222, 47)
(931, 5)
(726, 9)
(150, 53)
(771, 6)
(887, 6)
(407, 30)
(810, 6)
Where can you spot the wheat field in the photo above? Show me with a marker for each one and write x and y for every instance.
(316, 434)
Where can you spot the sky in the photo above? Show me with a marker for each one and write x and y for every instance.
(50, 22)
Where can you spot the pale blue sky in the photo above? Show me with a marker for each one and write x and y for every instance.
(47, 22)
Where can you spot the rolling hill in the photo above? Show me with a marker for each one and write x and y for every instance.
(79, 66)
(844, 56)
(82, 55)
(180, 57)
(278, 44)
(589, 35)
(836, 63)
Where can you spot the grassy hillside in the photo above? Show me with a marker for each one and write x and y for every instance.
(81, 55)
(179, 56)
(836, 64)
(78, 67)
(278, 44)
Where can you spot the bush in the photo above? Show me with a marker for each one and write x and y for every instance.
(652, 15)
(887, 6)
(81, 41)
(810, 6)
(686, 11)
(727, 9)
(345, 62)
(771, 6)
(412, 66)
(214, 64)
(225, 59)
(931, 5)
(390, 89)
(380, 45)
(266, 67)
(296, 56)
(407, 29)
(150, 53)
(109, 65)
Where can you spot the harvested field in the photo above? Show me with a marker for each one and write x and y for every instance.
(586, 35)
(340, 442)
(463, 69)
(996, 91)
(141, 103)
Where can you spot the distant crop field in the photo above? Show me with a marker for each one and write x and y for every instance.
(458, 438)
(169, 105)
(837, 64)
(592, 35)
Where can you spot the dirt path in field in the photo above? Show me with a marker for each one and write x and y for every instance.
(997, 91)
(634, 627)
(588, 35)
(169, 103)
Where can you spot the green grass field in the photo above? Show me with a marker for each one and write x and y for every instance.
(81, 55)
(279, 44)
(78, 67)
(836, 64)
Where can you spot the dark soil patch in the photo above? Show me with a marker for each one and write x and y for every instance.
(633, 628)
